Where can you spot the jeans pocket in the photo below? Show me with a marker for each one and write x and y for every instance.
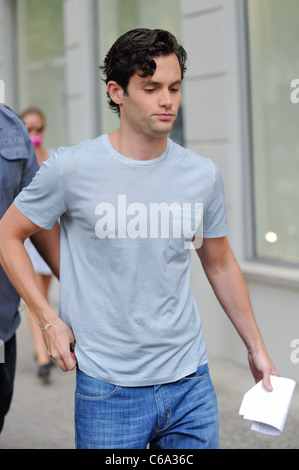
(201, 372)
(90, 388)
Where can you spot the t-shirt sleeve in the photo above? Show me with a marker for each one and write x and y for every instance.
(215, 223)
(43, 201)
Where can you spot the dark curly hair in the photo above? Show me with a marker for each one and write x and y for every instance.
(134, 51)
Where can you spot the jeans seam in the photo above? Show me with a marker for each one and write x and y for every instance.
(167, 423)
(86, 397)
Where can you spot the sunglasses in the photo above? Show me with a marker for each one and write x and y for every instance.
(36, 129)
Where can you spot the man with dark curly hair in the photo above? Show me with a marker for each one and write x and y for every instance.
(134, 53)
(132, 204)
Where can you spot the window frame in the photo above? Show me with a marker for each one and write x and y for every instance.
(246, 113)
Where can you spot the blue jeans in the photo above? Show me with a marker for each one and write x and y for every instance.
(178, 415)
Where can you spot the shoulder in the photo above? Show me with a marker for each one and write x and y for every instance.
(11, 119)
(8, 114)
(12, 124)
(15, 142)
(190, 159)
(79, 151)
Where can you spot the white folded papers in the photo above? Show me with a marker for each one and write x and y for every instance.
(268, 410)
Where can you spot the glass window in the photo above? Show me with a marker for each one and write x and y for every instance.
(115, 17)
(273, 60)
(41, 64)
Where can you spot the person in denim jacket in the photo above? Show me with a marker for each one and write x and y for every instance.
(18, 165)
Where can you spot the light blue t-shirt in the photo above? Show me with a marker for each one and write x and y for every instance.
(125, 255)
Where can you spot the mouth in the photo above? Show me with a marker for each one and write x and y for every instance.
(165, 116)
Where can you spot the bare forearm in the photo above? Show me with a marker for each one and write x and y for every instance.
(227, 281)
(59, 339)
(14, 229)
(18, 267)
(232, 293)
(226, 278)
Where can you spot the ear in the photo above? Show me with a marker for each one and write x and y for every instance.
(115, 91)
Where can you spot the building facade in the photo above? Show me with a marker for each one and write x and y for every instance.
(240, 108)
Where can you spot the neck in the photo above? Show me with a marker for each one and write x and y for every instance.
(137, 147)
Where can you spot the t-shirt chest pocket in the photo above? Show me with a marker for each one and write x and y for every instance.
(186, 225)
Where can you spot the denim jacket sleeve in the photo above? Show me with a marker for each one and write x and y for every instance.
(18, 163)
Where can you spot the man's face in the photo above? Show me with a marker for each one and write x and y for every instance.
(151, 104)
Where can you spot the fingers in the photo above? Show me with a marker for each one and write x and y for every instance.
(267, 379)
(66, 360)
(262, 368)
(73, 352)
(60, 344)
(267, 382)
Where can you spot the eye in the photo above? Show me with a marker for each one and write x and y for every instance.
(149, 90)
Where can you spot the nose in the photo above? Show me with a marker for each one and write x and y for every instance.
(165, 99)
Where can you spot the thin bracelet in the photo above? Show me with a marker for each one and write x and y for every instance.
(50, 324)
(258, 347)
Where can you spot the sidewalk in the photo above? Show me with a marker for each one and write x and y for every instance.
(41, 416)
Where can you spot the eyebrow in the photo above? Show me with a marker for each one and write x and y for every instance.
(152, 82)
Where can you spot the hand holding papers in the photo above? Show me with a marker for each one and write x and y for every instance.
(268, 410)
